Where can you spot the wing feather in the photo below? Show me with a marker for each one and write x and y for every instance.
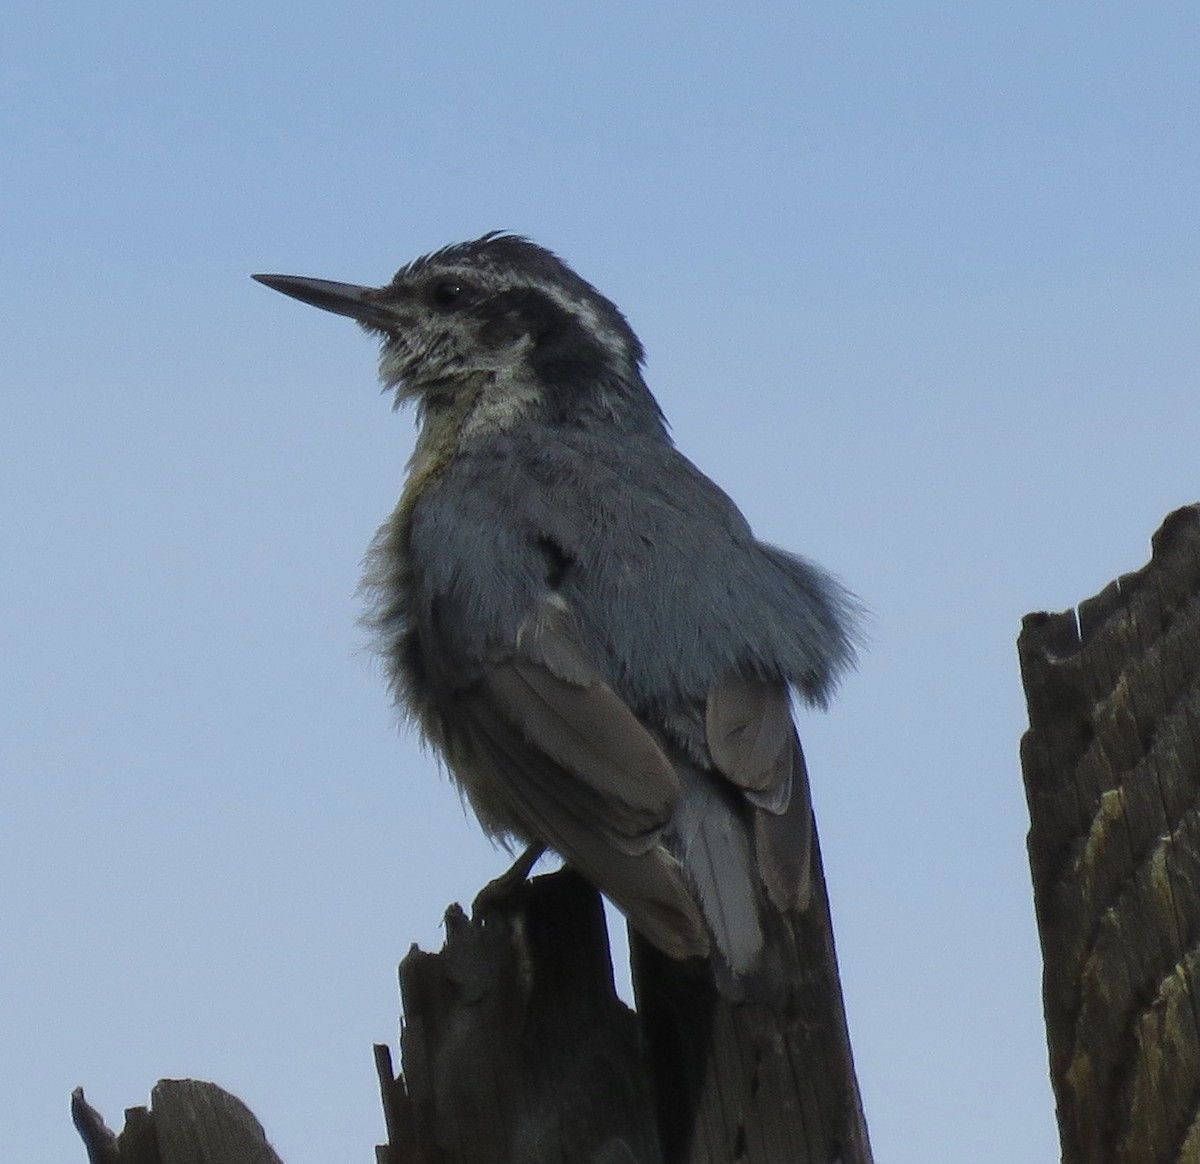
(588, 731)
(583, 775)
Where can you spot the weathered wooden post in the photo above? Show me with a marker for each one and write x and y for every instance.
(516, 1049)
(1112, 774)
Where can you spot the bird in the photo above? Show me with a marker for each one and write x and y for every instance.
(580, 622)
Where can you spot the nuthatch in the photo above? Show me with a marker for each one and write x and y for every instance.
(578, 619)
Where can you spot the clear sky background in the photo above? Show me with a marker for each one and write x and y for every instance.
(919, 287)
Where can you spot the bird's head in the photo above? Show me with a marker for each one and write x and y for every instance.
(500, 320)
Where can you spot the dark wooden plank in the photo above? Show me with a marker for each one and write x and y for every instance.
(1113, 784)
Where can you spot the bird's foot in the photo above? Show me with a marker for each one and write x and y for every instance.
(496, 890)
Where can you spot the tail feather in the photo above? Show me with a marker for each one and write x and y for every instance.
(709, 837)
(783, 841)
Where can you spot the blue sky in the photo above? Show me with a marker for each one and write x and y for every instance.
(919, 287)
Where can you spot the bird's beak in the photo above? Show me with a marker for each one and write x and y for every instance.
(342, 298)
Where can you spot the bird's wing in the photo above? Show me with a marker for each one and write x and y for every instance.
(753, 744)
(582, 772)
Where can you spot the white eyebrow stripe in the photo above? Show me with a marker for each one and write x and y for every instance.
(581, 309)
(496, 280)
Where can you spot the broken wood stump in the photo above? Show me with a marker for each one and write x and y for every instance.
(1112, 775)
(517, 1049)
(187, 1122)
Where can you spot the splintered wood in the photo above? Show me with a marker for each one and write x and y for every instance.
(1112, 775)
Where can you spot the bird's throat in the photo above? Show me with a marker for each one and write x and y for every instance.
(442, 418)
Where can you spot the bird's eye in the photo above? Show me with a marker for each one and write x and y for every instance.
(446, 293)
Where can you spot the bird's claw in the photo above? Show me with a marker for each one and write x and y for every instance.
(495, 891)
